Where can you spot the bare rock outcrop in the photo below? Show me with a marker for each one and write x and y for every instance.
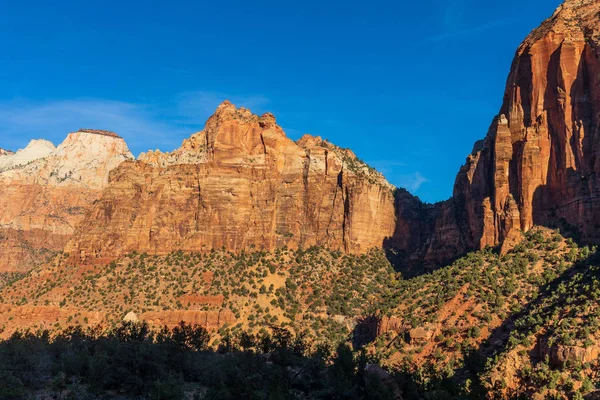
(35, 150)
(46, 191)
(539, 163)
(240, 183)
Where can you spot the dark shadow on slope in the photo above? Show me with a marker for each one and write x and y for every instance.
(365, 331)
(414, 232)
(131, 361)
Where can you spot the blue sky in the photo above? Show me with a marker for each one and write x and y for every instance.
(408, 86)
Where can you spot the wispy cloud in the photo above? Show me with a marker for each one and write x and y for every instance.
(469, 31)
(457, 20)
(412, 182)
(396, 173)
(386, 167)
(143, 125)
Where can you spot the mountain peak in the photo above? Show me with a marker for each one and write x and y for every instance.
(572, 21)
(36, 149)
(225, 104)
(228, 111)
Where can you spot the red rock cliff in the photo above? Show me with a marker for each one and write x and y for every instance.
(538, 164)
(240, 183)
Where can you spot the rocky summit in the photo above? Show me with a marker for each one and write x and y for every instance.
(239, 184)
(46, 191)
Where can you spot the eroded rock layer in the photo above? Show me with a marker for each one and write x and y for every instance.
(46, 191)
(538, 164)
(239, 184)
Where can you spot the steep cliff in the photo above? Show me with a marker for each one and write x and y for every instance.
(45, 192)
(538, 164)
(239, 184)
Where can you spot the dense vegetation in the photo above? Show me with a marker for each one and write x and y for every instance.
(457, 329)
(132, 361)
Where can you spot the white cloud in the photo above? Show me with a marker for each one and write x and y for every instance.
(391, 169)
(412, 182)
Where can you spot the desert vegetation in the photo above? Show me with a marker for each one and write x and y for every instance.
(517, 324)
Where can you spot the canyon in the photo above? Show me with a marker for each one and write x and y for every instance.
(248, 233)
(242, 184)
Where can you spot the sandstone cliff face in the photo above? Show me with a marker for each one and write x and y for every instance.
(240, 183)
(45, 192)
(538, 164)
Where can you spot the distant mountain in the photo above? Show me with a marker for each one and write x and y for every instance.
(45, 192)
(239, 184)
(35, 149)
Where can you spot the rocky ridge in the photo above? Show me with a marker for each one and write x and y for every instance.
(240, 183)
(538, 164)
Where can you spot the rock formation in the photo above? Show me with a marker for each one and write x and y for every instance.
(45, 192)
(538, 164)
(240, 183)
(36, 149)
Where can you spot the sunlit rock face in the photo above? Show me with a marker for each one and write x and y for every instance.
(240, 184)
(538, 164)
(45, 192)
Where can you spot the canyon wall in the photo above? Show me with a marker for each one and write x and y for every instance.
(538, 164)
(242, 184)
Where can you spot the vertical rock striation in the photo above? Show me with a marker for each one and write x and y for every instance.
(240, 183)
(538, 164)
